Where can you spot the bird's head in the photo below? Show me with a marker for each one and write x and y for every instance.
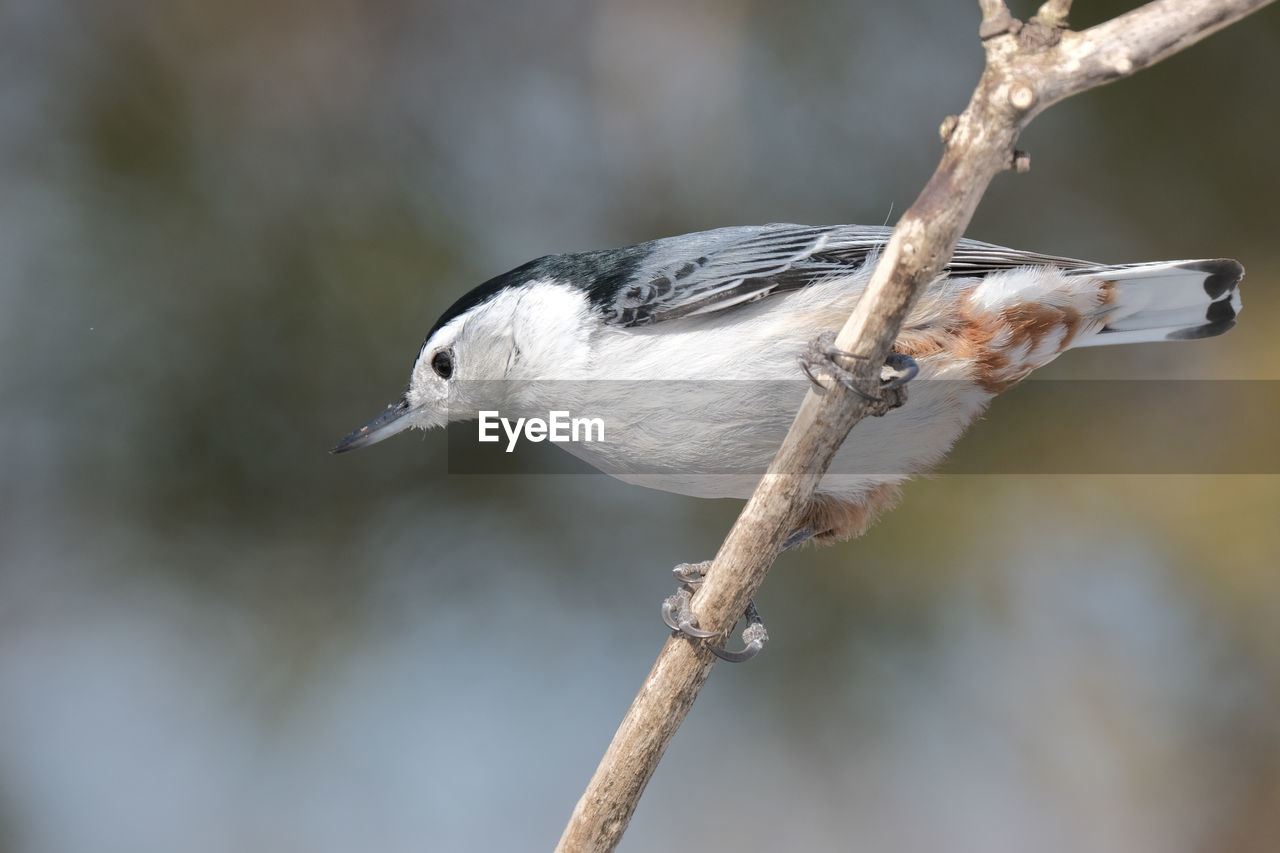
(513, 329)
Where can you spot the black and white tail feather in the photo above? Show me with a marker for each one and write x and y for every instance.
(1167, 300)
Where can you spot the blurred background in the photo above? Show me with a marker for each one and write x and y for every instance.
(224, 230)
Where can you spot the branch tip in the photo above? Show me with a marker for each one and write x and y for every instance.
(1053, 14)
(996, 20)
(1021, 161)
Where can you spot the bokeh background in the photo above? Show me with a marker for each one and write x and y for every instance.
(226, 226)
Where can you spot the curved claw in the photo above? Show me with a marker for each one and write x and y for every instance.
(691, 573)
(904, 368)
(689, 627)
(679, 618)
(817, 384)
(754, 636)
(846, 379)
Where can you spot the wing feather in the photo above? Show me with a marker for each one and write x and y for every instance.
(716, 270)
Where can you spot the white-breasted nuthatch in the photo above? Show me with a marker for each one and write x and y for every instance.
(689, 318)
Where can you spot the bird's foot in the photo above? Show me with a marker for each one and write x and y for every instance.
(678, 615)
(824, 359)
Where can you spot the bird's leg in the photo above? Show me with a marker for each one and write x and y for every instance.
(797, 537)
(678, 614)
(823, 358)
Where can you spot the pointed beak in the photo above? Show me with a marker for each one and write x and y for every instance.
(393, 419)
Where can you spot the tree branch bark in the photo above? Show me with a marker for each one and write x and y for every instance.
(1029, 67)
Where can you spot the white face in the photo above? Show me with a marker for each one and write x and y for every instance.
(446, 377)
(538, 331)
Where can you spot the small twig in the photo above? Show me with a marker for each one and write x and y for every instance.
(996, 19)
(1023, 76)
(1053, 13)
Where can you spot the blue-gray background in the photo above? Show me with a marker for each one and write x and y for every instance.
(226, 226)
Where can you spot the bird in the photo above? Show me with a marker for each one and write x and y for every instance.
(695, 352)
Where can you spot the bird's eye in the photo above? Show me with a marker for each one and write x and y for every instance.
(442, 363)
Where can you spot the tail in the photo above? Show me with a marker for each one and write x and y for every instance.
(1166, 301)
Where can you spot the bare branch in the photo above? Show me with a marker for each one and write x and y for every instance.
(1028, 69)
(1135, 40)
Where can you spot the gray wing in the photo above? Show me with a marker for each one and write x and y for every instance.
(716, 270)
